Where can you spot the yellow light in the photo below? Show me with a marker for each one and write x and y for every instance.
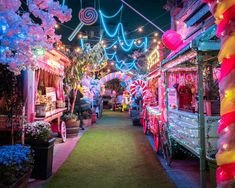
(104, 45)
(108, 70)
(139, 41)
(156, 34)
(155, 40)
(177, 22)
(159, 42)
(102, 42)
(115, 46)
(78, 49)
(57, 26)
(140, 29)
(80, 36)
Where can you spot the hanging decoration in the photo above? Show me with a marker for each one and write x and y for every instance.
(223, 12)
(87, 16)
(171, 39)
(126, 44)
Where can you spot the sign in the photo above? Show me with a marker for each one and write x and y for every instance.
(172, 98)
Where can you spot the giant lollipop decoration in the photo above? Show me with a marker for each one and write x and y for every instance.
(87, 16)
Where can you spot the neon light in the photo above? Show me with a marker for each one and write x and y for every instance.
(109, 17)
(120, 30)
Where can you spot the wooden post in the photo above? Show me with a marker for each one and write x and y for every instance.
(31, 94)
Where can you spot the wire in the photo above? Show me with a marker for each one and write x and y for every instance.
(81, 4)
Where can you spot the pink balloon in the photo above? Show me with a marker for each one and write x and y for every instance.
(171, 39)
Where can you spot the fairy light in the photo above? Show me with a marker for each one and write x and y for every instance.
(78, 49)
(156, 34)
(140, 29)
(80, 36)
(115, 46)
(155, 40)
(57, 26)
(138, 41)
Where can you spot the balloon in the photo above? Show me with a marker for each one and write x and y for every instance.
(171, 39)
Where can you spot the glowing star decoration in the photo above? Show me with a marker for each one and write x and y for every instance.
(171, 39)
(87, 16)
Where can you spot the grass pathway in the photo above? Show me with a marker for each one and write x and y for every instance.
(112, 154)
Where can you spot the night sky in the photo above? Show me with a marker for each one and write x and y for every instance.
(152, 9)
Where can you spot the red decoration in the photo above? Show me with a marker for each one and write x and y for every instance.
(225, 172)
(171, 39)
(228, 15)
(227, 66)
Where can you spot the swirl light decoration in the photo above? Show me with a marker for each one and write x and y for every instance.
(223, 12)
(87, 16)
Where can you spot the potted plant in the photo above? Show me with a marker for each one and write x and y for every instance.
(16, 163)
(72, 124)
(86, 118)
(38, 136)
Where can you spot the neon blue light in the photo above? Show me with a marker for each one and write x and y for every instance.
(109, 17)
(116, 31)
(82, 43)
(128, 45)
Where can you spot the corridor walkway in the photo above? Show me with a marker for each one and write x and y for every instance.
(112, 154)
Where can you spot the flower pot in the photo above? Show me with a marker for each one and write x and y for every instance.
(72, 128)
(43, 159)
(86, 122)
(20, 183)
(93, 118)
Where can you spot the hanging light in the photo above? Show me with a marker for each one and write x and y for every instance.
(156, 34)
(140, 29)
(57, 26)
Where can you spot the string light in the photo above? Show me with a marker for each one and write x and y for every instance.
(140, 29)
(155, 40)
(57, 26)
(156, 34)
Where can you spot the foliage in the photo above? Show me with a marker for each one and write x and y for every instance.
(38, 132)
(26, 27)
(15, 161)
(69, 116)
(87, 114)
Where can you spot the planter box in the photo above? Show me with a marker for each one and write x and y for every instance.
(20, 183)
(93, 118)
(86, 122)
(43, 159)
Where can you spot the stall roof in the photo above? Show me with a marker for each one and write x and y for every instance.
(54, 62)
(203, 42)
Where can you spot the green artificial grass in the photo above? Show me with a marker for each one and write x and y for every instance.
(112, 154)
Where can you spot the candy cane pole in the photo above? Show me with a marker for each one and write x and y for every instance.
(224, 13)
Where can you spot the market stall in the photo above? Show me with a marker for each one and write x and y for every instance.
(44, 91)
(192, 96)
